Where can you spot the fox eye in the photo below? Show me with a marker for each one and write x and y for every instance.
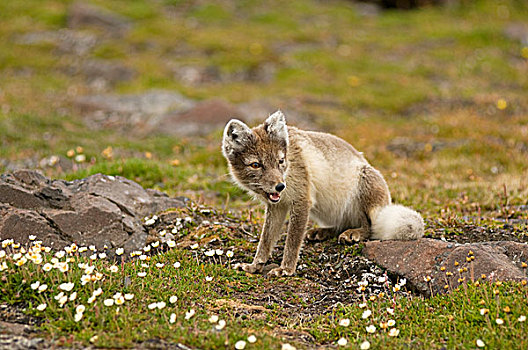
(281, 161)
(255, 165)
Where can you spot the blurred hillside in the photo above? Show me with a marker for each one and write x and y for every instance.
(435, 97)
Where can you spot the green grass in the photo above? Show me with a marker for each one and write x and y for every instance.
(133, 321)
(456, 320)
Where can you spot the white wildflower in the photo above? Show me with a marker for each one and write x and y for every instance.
(80, 309)
(240, 345)
(365, 345)
(252, 339)
(77, 317)
(344, 322)
(67, 286)
(221, 324)
(189, 314)
(209, 252)
(394, 332)
(342, 341)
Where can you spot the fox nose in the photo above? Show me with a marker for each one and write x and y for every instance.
(280, 186)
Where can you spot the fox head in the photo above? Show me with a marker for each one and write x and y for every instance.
(257, 157)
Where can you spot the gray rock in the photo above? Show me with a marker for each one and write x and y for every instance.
(66, 40)
(82, 15)
(416, 260)
(139, 113)
(98, 210)
(367, 9)
(193, 75)
(101, 71)
(18, 342)
(156, 111)
(517, 31)
(202, 119)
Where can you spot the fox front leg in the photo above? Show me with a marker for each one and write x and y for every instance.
(294, 239)
(275, 216)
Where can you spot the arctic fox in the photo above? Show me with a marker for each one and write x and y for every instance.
(316, 175)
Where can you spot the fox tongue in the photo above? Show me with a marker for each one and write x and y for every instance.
(274, 196)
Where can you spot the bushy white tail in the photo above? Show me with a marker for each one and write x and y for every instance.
(397, 222)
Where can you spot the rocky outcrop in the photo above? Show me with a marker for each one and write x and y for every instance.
(101, 72)
(157, 111)
(139, 113)
(430, 265)
(98, 210)
(203, 118)
(81, 15)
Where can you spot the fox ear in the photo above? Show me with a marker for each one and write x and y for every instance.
(236, 137)
(276, 127)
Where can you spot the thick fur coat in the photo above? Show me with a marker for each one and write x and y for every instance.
(313, 175)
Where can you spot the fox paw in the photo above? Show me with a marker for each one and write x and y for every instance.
(319, 234)
(351, 236)
(251, 268)
(281, 272)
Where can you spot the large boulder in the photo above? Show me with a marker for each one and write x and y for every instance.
(98, 210)
(430, 265)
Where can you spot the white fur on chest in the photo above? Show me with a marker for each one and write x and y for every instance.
(333, 183)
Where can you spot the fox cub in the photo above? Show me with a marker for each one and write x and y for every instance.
(316, 175)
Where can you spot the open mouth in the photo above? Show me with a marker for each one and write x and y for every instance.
(274, 197)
